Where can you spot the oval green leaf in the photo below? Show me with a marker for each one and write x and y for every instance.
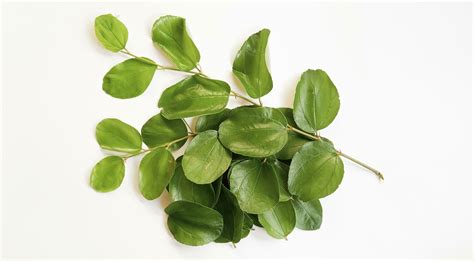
(107, 174)
(254, 131)
(309, 215)
(316, 101)
(315, 172)
(159, 131)
(295, 141)
(193, 224)
(194, 96)
(279, 221)
(169, 33)
(110, 32)
(205, 159)
(250, 66)
(233, 216)
(156, 170)
(281, 171)
(255, 185)
(130, 78)
(116, 135)
(212, 121)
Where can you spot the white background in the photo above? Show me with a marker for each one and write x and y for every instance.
(404, 76)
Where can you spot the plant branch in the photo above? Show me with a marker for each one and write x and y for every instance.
(187, 125)
(232, 93)
(313, 137)
(161, 146)
(376, 172)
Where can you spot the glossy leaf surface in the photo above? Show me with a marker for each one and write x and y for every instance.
(233, 216)
(309, 215)
(212, 121)
(107, 174)
(156, 170)
(295, 141)
(159, 131)
(110, 32)
(279, 221)
(116, 135)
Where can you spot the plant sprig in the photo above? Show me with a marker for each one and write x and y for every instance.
(243, 167)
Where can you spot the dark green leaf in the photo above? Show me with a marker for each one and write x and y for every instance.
(169, 33)
(254, 218)
(233, 216)
(254, 131)
(279, 221)
(158, 131)
(194, 96)
(130, 78)
(250, 66)
(211, 122)
(205, 159)
(193, 224)
(180, 188)
(281, 171)
(116, 135)
(112, 33)
(295, 141)
(107, 174)
(316, 101)
(316, 171)
(156, 170)
(309, 215)
(248, 224)
(255, 185)
(217, 189)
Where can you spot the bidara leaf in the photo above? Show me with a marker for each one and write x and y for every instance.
(169, 33)
(316, 101)
(111, 33)
(205, 159)
(130, 78)
(309, 215)
(156, 170)
(248, 224)
(193, 224)
(233, 216)
(295, 141)
(250, 66)
(315, 171)
(194, 96)
(255, 185)
(254, 131)
(212, 121)
(116, 135)
(279, 221)
(158, 131)
(281, 172)
(107, 174)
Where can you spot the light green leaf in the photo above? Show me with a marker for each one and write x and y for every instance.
(112, 33)
(156, 170)
(107, 174)
(279, 221)
(316, 171)
(281, 171)
(295, 141)
(212, 121)
(254, 131)
(194, 96)
(250, 66)
(255, 185)
(116, 135)
(316, 101)
(158, 131)
(193, 224)
(180, 188)
(309, 215)
(205, 159)
(233, 216)
(169, 33)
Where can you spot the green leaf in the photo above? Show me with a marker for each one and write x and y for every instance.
(233, 216)
(281, 171)
(116, 135)
(316, 101)
(212, 121)
(254, 218)
(156, 170)
(169, 33)
(129, 79)
(309, 215)
(180, 188)
(217, 189)
(107, 174)
(316, 171)
(254, 131)
(193, 224)
(279, 221)
(159, 131)
(205, 159)
(194, 96)
(255, 185)
(250, 66)
(295, 141)
(112, 33)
